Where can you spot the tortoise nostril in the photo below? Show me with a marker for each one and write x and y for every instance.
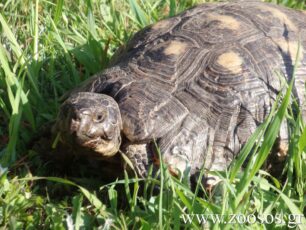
(74, 125)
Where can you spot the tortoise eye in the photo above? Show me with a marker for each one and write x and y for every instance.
(99, 117)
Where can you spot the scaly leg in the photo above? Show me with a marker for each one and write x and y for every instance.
(138, 154)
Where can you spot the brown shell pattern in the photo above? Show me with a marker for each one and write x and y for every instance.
(201, 82)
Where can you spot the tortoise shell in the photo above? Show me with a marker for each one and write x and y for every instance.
(201, 82)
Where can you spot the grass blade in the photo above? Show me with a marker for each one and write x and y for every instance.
(76, 214)
(90, 196)
(17, 50)
(172, 8)
(268, 142)
(35, 44)
(139, 13)
(58, 11)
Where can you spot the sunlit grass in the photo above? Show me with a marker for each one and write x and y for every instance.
(49, 47)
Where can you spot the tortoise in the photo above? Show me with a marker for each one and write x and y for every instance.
(197, 85)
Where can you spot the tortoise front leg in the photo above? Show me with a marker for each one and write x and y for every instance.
(138, 155)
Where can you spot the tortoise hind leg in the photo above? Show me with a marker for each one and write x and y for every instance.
(184, 148)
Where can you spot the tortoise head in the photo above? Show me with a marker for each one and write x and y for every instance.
(92, 121)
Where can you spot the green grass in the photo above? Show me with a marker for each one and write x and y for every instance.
(47, 48)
